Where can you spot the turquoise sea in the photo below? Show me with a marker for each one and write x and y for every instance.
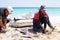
(18, 11)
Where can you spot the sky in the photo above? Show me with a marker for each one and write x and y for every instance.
(29, 3)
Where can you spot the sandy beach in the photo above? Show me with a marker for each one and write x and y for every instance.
(16, 33)
(19, 15)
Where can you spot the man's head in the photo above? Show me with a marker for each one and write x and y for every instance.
(10, 9)
(6, 12)
(42, 7)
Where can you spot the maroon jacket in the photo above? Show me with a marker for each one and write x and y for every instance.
(37, 15)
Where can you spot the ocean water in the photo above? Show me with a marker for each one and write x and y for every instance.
(19, 11)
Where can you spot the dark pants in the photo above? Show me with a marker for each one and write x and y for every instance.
(45, 20)
(37, 26)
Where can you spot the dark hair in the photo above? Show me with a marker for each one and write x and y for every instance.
(5, 10)
(42, 7)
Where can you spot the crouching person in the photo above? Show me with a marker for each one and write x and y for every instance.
(37, 24)
(44, 18)
(41, 17)
(4, 12)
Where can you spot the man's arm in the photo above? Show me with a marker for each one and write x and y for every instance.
(45, 14)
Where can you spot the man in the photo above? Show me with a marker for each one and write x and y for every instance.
(41, 17)
(4, 12)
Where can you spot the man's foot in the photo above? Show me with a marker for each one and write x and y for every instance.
(43, 32)
(53, 28)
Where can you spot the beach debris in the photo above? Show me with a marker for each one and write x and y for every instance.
(21, 23)
(25, 36)
(35, 35)
(24, 31)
